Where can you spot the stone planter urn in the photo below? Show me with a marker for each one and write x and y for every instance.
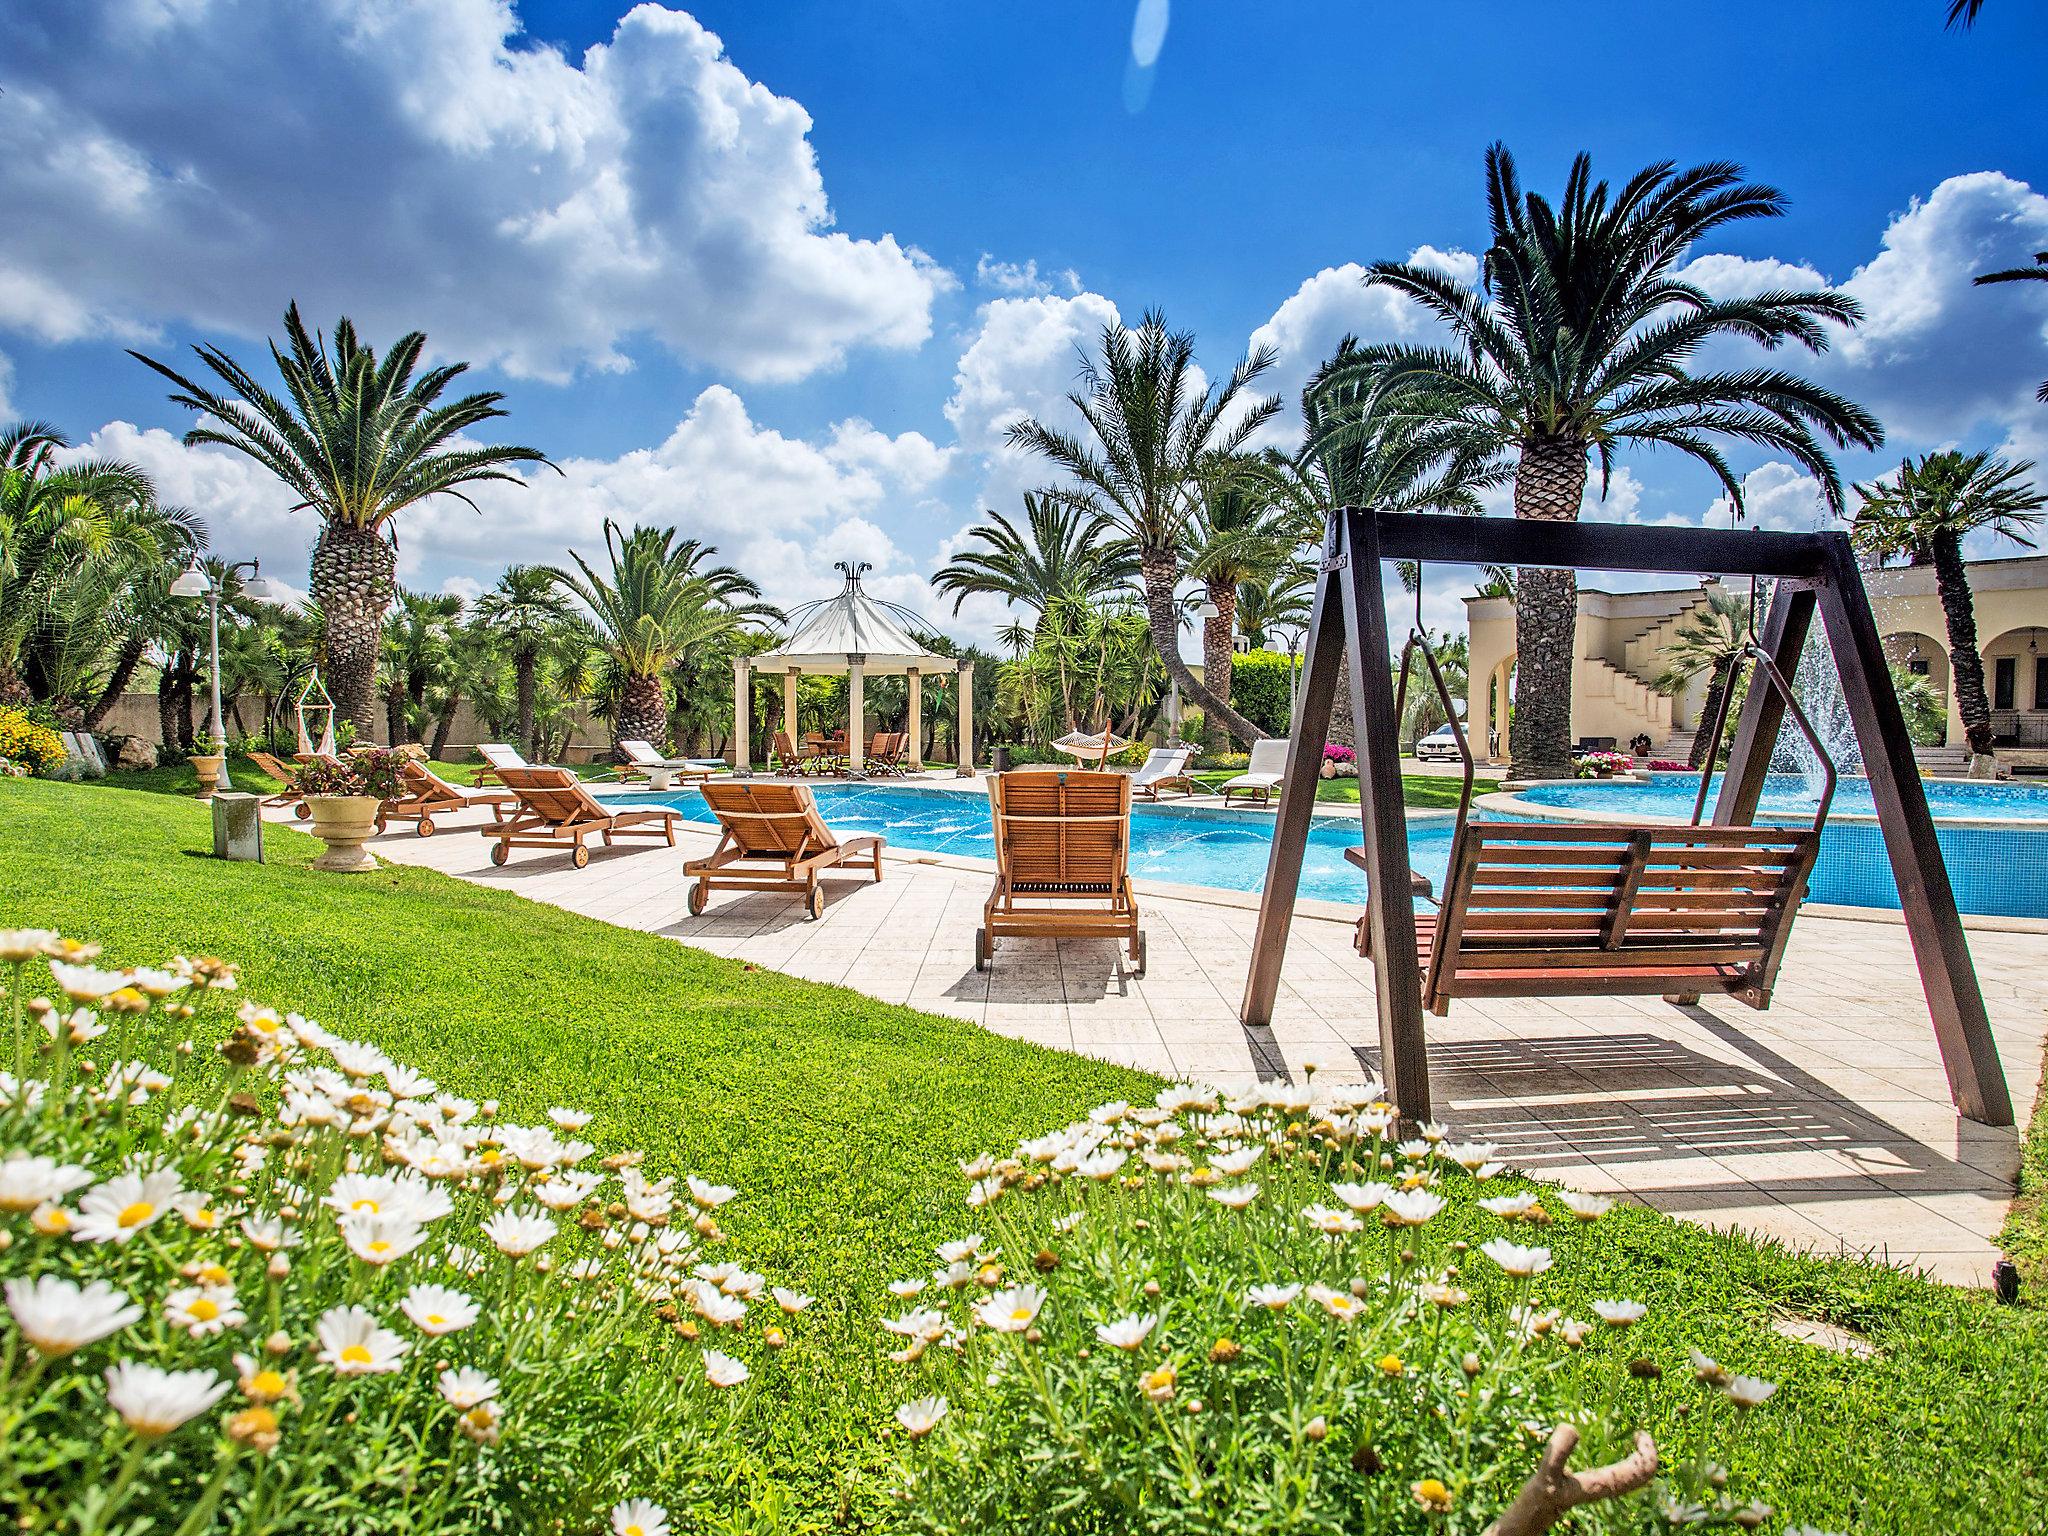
(344, 823)
(208, 766)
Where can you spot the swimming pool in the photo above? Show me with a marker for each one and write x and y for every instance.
(1671, 794)
(1999, 870)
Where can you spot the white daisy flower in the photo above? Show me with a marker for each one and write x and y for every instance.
(1341, 1305)
(706, 1195)
(85, 983)
(722, 1370)
(1511, 1207)
(1127, 1333)
(18, 946)
(114, 1212)
(382, 1240)
(903, 1290)
(352, 1341)
(1749, 1391)
(466, 1386)
(1584, 1206)
(438, 1309)
(154, 1402)
(57, 1316)
(921, 1417)
(27, 1182)
(1330, 1221)
(1236, 1196)
(518, 1233)
(1411, 1207)
(1012, 1309)
(267, 1234)
(569, 1121)
(1620, 1314)
(1101, 1167)
(1236, 1164)
(1523, 1263)
(1273, 1298)
(920, 1323)
(639, 1517)
(790, 1301)
(204, 1310)
(1362, 1197)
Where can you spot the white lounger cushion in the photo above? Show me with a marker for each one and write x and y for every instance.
(1163, 763)
(1267, 767)
(500, 755)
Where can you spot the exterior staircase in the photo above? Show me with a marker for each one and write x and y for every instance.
(1943, 762)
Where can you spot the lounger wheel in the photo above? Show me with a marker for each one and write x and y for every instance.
(815, 901)
(501, 852)
(426, 826)
(982, 949)
(700, 897)
(579, 856)
(1138, 969)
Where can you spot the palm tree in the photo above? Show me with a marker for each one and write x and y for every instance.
(1580, 342)
(1061, 549)
(656, 603)
(1274, 602)
(1150, 430)
(413, 656)
(357, 440)
(1239, 531)
(1924, 516)
(1963, 13)
(524, 609)
(1709, 642)
(2037, 273)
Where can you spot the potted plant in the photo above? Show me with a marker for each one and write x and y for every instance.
(209, 756)
(343, 798)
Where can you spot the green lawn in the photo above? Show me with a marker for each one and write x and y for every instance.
(1419, 791)
(841, 1120)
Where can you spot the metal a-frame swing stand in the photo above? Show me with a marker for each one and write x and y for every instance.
(1809, 569)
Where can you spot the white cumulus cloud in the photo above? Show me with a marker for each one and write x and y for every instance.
(420, 165)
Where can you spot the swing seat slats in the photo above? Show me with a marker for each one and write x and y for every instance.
(1533, 910)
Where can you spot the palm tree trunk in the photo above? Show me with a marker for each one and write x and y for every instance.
(394, 716)
(1549, 482)
(1218, 658)
(524, 666)
(353, 577)
(1965, 664)
(167, 707)
(117, 684)
(1160, 570)
(444, 727)
(643, 715)
(1710, 709)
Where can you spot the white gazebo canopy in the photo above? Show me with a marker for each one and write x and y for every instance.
(857, 635)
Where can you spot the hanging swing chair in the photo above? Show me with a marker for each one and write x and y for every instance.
(1594, 909)
(314, 703)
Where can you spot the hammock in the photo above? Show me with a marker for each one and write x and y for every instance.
(1080, 745)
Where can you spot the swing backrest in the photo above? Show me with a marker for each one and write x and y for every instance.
(1536, 910)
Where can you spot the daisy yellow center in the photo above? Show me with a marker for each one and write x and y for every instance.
(364, 1204)
(204, 1310)
(213, 1274)
(1020, 1315)
(57, 1220)
(357, 1354)
(379, 1246)
(135, 1215)
(634, 1530)
(267, 1384)
(436, 1319)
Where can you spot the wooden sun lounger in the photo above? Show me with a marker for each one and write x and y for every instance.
(277, 768)
(555, 811)
(1063, 843)
(643, 761)
(1535, 910)
(428, 795)
(498, 755)
(772, 839)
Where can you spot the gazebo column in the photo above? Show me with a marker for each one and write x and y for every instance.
(856, 713)
(742, 713)
(916, 720)
(789, 712)
(965, 753)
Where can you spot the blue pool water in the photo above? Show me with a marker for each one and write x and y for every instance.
(2001, 870)
(1671, 794)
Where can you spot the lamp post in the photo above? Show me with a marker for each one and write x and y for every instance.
(1293, 676)
(194, 582)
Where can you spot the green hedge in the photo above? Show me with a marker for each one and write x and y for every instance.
(1259, 690)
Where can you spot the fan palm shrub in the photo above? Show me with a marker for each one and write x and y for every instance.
(1709, 643)
(1582, 339)
(357, 439)
(657, 600)
(1062, 548)
(524, 610)
(1932, 505)
(1240, 531)
(1151, 425)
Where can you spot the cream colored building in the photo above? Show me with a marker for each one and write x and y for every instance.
(1622, 637)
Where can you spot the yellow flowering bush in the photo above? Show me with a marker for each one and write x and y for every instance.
(288, 1282)
(28, 744)
(1248, 1314)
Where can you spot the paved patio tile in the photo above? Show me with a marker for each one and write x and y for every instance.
(1824, 1123)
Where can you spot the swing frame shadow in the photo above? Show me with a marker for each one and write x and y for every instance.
(1812, 571)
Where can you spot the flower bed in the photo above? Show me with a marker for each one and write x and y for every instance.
(1602, 765)
(1248, 1315)
(288, 1281)
(27, 745)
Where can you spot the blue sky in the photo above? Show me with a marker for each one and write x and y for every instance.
(778, 273)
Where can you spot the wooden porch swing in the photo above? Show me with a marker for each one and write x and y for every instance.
(1543, 909)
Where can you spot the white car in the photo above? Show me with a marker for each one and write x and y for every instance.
(1439, 746)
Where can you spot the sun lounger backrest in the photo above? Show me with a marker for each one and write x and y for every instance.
(1268, 756)
(1067, 829)
(555, 794)
(1528, 896)
(501, 756)
(769, 821)
(643, 752)
(1162, 763)
(421, 779)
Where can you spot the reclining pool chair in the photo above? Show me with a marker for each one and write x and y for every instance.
(772, 839)
(1063, 842)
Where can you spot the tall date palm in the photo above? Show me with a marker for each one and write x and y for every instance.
(1580, 340)
(1930, 507)
(2037, 273)
(1151, 425)
(357, 439)
(524, 610)
(1061, 548)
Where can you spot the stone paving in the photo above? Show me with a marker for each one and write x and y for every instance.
(1824, 1122)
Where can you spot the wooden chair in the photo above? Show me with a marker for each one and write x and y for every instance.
(428, 795)
(787, 758)
(269, 763)
(772, 839)
(885, 752)
(556, 811)
(1536, 910)
(1063, 843)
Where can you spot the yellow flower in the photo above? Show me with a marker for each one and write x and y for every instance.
(1158, 1385)
(1432, 1496)
(1390, 1365)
